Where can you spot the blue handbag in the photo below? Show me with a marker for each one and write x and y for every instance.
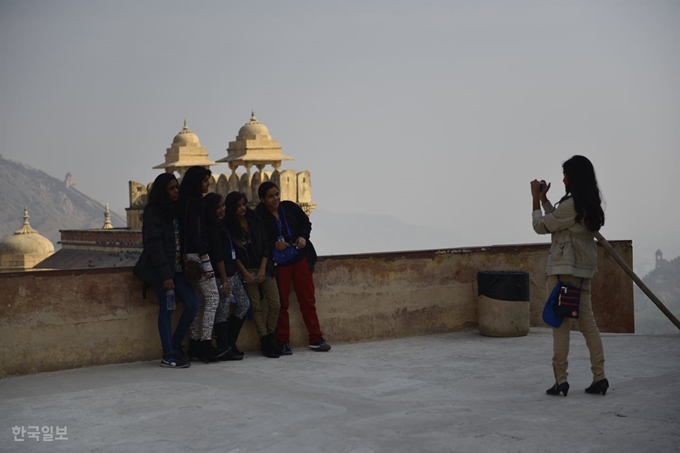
(284, 256)
(564, 301)
(288, 254)
(549, 316)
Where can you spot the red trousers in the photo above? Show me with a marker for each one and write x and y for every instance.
(303, 282)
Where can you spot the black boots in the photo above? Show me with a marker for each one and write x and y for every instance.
(269, 348)
(557, 388)
(226, 333)
(234, 328)
(204, 351)
(600, 386)
(193, 349)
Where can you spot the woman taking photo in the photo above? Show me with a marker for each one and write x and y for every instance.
(160, 265)
(255, 267)
(222, 253)
(573, 259)
(191, 216)
(289, 227)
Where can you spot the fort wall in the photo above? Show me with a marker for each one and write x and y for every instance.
(54, 320)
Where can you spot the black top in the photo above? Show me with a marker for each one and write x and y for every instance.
(193, 234)
(253, 245)
(219, 247)
(299, 225)
(157, 261)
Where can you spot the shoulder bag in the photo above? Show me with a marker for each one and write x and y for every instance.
(564, 302)
(286, 255)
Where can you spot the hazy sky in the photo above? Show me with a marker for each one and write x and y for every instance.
(434, 112)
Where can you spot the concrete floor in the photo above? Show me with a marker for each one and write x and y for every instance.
(457, 392)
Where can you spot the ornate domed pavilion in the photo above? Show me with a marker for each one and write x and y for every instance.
(24, 249)
(185, 151)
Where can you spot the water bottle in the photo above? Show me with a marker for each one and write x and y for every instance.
(170, 299)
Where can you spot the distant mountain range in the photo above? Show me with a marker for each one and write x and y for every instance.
(55, 205)
(52, 204)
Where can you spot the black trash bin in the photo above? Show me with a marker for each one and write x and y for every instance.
(503, 303)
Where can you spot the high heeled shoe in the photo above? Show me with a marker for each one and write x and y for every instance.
(557, 388)
(600, 386)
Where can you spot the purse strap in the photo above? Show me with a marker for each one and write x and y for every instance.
(559, 282)
(278, 223)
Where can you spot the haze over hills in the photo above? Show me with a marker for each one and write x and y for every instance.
(344, 233)
(664, 281)
(52, 204)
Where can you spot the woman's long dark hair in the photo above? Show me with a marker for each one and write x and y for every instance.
(192, 182)
(230, 220)
(211, 201)
(582, 186)
(158, 196)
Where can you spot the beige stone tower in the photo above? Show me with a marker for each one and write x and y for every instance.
(253, 150)
(254, 147)
(24, 249)
(185, 151)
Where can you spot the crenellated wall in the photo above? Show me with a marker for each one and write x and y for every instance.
(53, 320)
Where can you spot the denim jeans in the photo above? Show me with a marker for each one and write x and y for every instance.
(185, 294)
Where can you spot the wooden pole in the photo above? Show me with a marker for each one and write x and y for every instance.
(636, 279)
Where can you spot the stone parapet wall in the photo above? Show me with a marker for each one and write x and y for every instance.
(53, 320)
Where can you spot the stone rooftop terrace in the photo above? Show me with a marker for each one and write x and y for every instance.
(454, 392)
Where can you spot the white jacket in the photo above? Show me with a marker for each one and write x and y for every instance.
(573, 250)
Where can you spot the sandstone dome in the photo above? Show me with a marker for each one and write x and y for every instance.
(26, 244)
(26, 241)
(186, 137)
(253, 130)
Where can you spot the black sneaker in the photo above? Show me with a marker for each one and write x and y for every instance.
(175, 361)
(285, 349)
(320, 345)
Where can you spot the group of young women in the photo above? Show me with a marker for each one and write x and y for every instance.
(234, 247)
(185, 226)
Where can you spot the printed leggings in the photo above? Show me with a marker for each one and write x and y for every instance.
(206, 290)
(238, 296)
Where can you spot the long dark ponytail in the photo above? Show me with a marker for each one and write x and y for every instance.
(582, 186)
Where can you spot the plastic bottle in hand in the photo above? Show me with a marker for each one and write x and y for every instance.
(170, 299)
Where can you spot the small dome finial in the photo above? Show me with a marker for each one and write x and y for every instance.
(185, 123)
(107, 218)
(252, 115)
(26, 227)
